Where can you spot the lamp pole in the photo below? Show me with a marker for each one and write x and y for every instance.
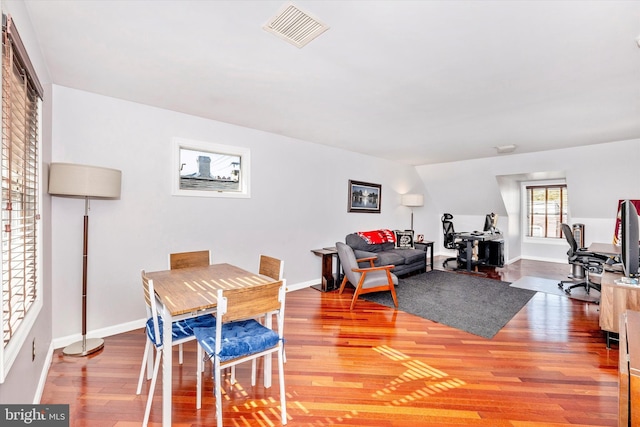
(86, 346)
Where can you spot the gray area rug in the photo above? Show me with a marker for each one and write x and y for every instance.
(473, 304)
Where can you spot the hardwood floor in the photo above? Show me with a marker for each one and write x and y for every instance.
(548, 366)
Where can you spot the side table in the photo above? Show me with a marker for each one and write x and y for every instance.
(427, 246)
(329, 282)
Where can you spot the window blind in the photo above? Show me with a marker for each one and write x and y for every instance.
(21, 92)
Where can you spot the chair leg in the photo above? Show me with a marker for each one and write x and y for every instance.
(392, 288)
(199, 370)
(357, 291)
(147, 410)
(232, 378)
(180, 354)
(145, 358)
(343, 284)
(150, 362)
(253, 372)
(283, 397)
(218, 392)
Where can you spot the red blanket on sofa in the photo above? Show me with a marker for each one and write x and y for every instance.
(375, 237)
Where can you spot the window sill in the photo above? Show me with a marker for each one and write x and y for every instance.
(545, 241)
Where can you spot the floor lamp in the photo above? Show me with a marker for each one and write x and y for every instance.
(412, 200)
(72, 180)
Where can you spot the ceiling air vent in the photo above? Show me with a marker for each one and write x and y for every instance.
(295, 26)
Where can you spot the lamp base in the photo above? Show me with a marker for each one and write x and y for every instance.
(84, 347)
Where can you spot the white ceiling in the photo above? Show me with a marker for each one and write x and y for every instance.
(417, 82)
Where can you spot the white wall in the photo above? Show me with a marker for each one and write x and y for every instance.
(298, 203)
(597, 177)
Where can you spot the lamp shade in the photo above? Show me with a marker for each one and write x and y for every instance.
(68, 179)
(412, 200)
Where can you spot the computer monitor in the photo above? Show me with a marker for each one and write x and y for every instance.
(490, 222)
(629, 236)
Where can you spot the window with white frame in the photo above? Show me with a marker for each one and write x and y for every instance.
(210, 170)
(546, 207)
(20, 170)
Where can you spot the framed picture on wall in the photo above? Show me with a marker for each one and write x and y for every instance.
(364, 197)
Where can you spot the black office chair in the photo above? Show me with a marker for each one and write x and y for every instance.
(590, 262)
(450, 240)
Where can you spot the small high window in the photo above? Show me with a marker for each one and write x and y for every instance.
(210, 170)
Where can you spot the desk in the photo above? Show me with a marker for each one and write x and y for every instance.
(629, 370)
(605, 249)
(615, 299)
(191, 292)
(471, 238)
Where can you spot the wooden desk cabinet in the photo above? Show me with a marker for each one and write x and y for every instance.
(615, 300)
(629, 370)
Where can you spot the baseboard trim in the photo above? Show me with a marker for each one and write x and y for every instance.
(301, 285)
(43, 375)
(100, 333)
(553, 260)
(139, 324)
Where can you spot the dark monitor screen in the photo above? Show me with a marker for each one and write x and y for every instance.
(630, 238)
(490, 222)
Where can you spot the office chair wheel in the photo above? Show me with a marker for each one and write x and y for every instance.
(567, 291)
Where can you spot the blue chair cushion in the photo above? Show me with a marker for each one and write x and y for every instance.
(204, 321)
(239, 339)
(180, 329)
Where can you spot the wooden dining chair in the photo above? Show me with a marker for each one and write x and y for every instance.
(238, 337)
(181, 331)
(271, 267)
(274, 268)
(186, 260)
(189, 259)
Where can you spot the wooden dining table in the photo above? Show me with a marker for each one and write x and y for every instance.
(190, 292)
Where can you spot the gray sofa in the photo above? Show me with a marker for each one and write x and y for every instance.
(406, 261)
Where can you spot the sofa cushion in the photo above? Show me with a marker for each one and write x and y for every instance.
(413, 255)
(389, 258)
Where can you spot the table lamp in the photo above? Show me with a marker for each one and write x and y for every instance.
(412, 200)
(73, 180)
